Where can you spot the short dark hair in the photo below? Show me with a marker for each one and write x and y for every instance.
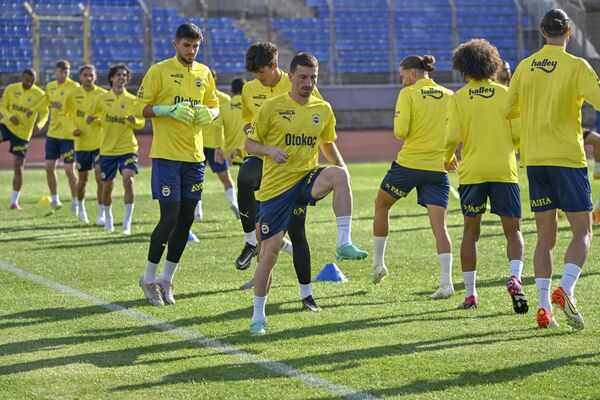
(555, 22)
(237, 85)
(87, 66)
(188, 30)
(63, 64)
(112, 71)
(304, 59)
(424, 63)
(477, 59)
(29, 71)
(259, 55)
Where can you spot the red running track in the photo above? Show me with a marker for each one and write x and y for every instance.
(355, 146)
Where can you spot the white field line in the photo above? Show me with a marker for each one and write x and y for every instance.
(203, 341)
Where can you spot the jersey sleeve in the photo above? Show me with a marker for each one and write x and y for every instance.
(453, 130)
(147, 92)
(210, 98)
(513, 106)
(402, 115)
(5, 104)
(329, 135)
(589, 85)
(44, 113)
(260, 127)
(43, 103)
(515, 132)
(246, 113)
(69, 120)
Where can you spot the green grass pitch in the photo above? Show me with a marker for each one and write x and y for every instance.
(388, 340)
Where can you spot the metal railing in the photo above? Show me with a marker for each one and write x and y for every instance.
(35, 31)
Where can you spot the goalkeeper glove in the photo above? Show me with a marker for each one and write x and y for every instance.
(180, 112)
(202, 115)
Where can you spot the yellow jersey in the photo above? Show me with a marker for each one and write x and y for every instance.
(79, 103)
(254, 94)
(296, 129)
(16, 101)
(476, 118)
(213, 136)
(233, 126)
(420, 121)
(60, 126)
(170, 82)
(113, 110)
(547, 92)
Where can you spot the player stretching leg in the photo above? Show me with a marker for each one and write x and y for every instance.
(547, 92)
(488, 168)
(420, 121)
(288, 131)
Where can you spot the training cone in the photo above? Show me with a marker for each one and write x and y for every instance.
(192, 237)
(44, 201)
(331, 273)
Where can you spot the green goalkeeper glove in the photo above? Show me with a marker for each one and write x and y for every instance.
(202, 115)
(181, 112)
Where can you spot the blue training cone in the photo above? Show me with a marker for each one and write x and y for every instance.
(331, 273)
(192, 237)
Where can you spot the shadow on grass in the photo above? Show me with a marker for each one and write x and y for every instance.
(500, 283)
(352, 358)
(475, 378)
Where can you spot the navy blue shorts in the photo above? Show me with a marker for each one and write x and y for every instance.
(174, 180)
(214, 166)
(60, 148)
(86, 160)
(274, 214)
(559, 187)
(110, 164)
(505, 199)
(18, 146)
(432, 186)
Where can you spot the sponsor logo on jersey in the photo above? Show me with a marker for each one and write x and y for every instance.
(541, 202)
(114, 119)
(198, 83)
(29, 99)
(166, 191)
(316, 119)
(197, 187)
(260, 97)
(264, 228)
(140, 92)
(177, 82)
(80, 114)
(300, 140)
(485, 92)
(545, 65)
(192, 101)
(180, 76)
(122, 106)
(236, 106)
(16, 107)
(287, 115)
(436, 94)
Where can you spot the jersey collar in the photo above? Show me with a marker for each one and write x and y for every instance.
(424, 82)
(179, 65)
(553, 48)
